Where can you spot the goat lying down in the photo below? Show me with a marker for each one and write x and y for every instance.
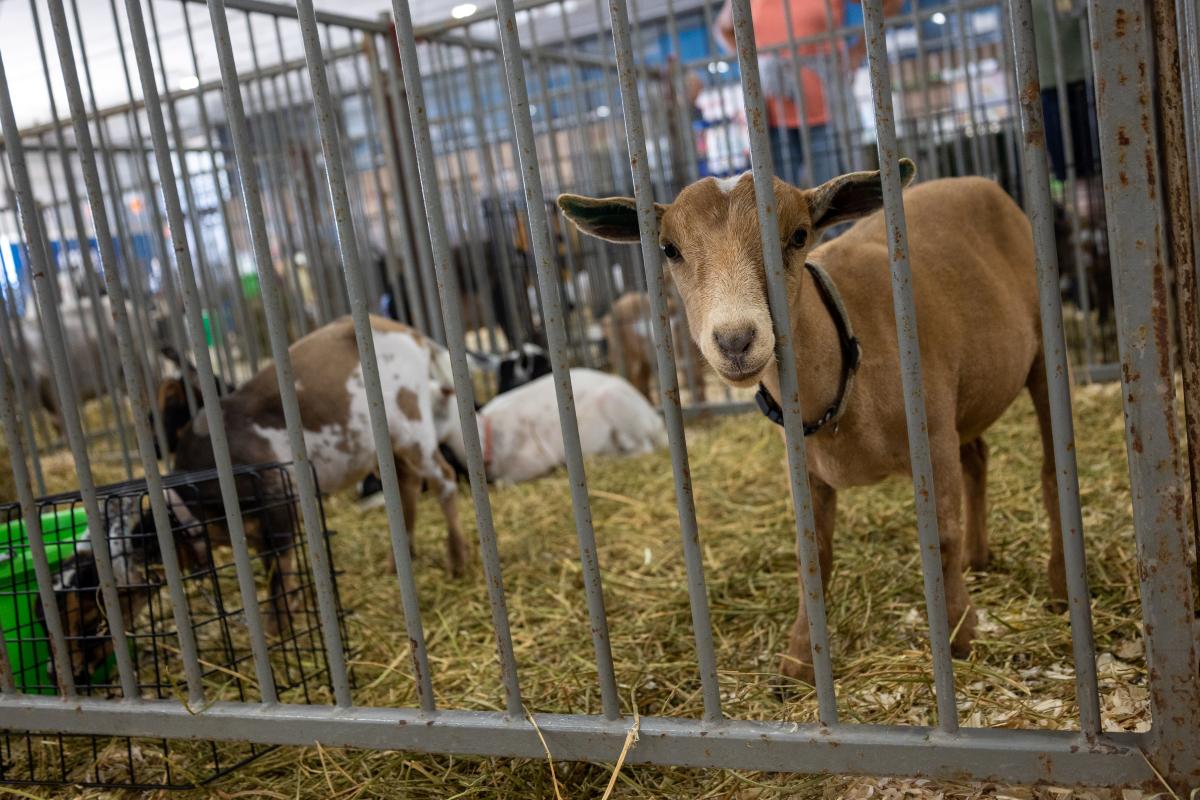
(521, 435)
(971, 252)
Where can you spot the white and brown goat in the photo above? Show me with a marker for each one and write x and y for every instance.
(973, 276)
(414, 376)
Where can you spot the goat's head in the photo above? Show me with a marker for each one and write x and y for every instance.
(136, 560)
(710, 239)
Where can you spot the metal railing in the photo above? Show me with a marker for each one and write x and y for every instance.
(410, 148)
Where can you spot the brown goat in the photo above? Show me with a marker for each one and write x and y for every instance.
(630, 341)
(971, 252)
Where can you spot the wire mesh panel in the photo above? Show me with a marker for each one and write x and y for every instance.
(287, 600)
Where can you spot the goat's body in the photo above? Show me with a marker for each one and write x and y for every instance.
(333, 402)
(974, 283)
(971, 255)
(333, 408)
(630, 338)
(614, 419)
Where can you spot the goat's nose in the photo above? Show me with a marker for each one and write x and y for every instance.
(734, 343)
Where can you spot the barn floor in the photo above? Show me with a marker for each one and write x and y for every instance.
(1019, 676)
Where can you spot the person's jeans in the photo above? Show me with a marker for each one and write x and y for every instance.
(787, 154)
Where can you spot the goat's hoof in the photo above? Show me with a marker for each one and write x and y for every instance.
(960, 649)
(792, 678)
(786, 689)
(1057, 605)
(981, 561)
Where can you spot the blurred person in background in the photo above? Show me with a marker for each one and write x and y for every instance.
(810, 18)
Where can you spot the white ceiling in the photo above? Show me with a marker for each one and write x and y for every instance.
(19, 47)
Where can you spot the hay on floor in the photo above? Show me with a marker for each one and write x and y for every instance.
(1020, 676)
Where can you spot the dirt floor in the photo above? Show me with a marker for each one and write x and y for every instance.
(1020, 676)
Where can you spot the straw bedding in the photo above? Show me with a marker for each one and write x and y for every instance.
(1020, 675)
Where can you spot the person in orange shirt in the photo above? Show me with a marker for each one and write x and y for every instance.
(809, 18)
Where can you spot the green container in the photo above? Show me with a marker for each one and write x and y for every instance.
(28, 650)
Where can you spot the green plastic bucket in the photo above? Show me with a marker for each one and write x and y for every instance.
(24, 635)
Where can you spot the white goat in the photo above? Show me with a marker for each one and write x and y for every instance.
(521, 435)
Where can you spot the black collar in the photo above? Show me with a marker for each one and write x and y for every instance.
(851, 356)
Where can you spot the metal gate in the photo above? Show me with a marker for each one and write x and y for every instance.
(456, 187)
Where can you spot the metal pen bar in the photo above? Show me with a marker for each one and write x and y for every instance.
(208, 387)
(127, 255)
(221, 341)
(785, 357)
(1129, 161)
(289, 12)
(138, 396)
(91, 324)
(270, 150)
(426, 287)
(356, 288)
(1173, 106)
(174, 323)
(1054, 348)
(578, 328)
(357, 206)
(1186, 14)
(60, 652)
(97, 529)
(556, 337)
(500, 244)
(801, 103)
(601, 277)
(964, 61)
(23, 384)
(464, 198)
(249, 342)
(284, 375)
(111, 384)
(368, 98)
(447, 284)
(621, 179)
(931, 160)
(303, 201)
(591, 161)
(402, 265)
(924, 493)
(835, 105)
(997, 756)
(1068, 145)
(665, 354)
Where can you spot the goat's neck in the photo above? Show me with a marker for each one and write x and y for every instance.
(818, 350)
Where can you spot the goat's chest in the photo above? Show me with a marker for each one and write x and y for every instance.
(844, 459)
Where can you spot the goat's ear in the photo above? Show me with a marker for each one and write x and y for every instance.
(613, 219)
(848, 197)
(173, 409)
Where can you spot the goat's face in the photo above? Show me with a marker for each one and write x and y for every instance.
(710, 239)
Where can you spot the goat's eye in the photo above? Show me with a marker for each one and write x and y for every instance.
(671, 251)
(799, 238)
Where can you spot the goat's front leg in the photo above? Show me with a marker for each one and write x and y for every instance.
(797, 663)
(948, 491)
(442, 479)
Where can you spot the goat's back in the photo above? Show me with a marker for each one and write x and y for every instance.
(970, 248)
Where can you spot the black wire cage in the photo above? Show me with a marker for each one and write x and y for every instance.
(286, 599)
